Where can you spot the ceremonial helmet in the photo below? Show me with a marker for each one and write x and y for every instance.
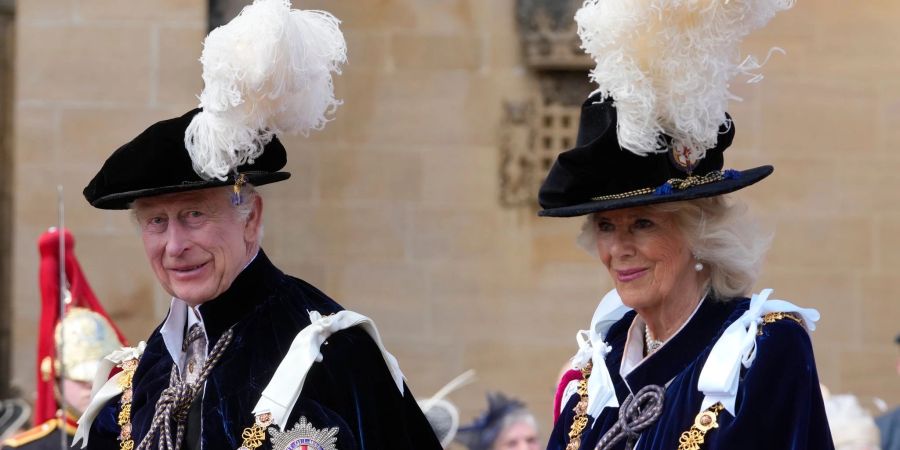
(73, 346)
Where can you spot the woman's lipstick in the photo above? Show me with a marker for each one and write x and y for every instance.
(630, 274)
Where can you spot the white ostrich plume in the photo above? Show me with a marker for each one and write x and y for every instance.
(267, 72)
(667, 64)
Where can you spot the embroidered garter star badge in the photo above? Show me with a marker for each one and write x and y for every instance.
(304, 437)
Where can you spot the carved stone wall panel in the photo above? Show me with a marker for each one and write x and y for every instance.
(536, 130)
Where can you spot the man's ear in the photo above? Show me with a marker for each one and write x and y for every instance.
(254, 221)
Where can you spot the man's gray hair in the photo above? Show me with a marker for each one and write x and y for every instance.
(720, 235)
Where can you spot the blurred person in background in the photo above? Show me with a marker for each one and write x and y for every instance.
(14, 414)
(889, 424)
(70, 350)
(676, 356)
(442, 414)
(852, 427)
(506, 425)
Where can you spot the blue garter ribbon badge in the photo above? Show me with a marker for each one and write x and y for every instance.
(304, 437)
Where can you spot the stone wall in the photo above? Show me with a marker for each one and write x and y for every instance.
(393, 209)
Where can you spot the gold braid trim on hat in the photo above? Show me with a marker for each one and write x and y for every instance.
(674, 184)
(580, 420)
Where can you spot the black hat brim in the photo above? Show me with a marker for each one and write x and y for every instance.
(746, 178)
(122, 200)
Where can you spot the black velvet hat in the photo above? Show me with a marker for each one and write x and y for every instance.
(157, 162)
(256, 85)
(599, 175)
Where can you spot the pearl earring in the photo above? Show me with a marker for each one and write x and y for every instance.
(699, 266)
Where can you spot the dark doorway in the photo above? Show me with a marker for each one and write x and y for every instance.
(7, 51)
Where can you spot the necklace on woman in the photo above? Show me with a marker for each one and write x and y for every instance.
(652, 344)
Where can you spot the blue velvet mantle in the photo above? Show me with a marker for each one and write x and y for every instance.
(779, 404)
(351, 388)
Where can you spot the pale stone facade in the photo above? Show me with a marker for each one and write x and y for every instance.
(393, 209)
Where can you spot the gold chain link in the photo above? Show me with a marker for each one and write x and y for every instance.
(580, 420)
(694, 437)
(124, 420)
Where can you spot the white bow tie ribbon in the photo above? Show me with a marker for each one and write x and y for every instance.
(105, 388)
(283, 391)
(592, 347)
(737, 346)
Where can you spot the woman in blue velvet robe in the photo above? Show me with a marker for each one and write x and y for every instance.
(676, 356)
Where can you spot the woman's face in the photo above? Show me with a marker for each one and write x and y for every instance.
(647, 256)
(519, 435)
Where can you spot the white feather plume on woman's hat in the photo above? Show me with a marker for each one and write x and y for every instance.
(668, 63)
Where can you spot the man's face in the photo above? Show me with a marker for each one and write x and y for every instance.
(196, 241)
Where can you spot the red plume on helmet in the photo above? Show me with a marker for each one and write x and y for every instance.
(82, 295)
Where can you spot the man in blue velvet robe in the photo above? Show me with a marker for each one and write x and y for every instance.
(248, 357)
(202, 240)
(778, 403)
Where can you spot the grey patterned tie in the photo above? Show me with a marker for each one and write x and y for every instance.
(194, 348)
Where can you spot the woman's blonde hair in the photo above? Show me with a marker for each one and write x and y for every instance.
(719, 233)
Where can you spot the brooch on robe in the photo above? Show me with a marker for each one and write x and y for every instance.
(303, 436)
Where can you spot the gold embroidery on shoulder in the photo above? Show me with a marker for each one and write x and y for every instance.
(773, 317)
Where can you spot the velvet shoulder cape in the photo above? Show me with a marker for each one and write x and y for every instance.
(351, 388)
(779, 403)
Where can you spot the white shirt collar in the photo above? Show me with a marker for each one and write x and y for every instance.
(172, 330)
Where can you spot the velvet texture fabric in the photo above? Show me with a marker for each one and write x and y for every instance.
(779, 404)
(351, 388)
(157, 162)
(599, 166)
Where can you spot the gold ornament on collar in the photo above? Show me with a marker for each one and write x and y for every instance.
(303, 436)
(254, 436)
(124, 418)
(706, 420)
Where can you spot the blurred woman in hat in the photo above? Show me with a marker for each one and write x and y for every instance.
(506, 425)
(676, 356)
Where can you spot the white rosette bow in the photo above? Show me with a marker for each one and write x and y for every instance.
(737, 346)
(283, 390)
(592, 347)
